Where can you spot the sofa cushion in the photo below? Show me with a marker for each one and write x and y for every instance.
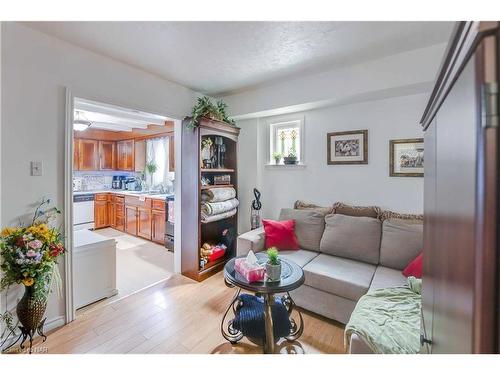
(301, 205)
(397, 216)
(309, 226)
(414, 268)
(349, 210)
(344, 277)
(402, 241)
(352, 237)
(280, 234)
(387, 277)
(301, 257)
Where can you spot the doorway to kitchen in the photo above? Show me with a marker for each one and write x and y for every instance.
(122, 172)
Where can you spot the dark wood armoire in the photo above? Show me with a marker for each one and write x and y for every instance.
(460, 296)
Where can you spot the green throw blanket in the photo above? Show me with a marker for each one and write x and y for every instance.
(388, 320)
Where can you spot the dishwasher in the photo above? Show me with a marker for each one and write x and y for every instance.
(83, 211)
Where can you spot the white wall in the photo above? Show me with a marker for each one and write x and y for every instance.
(385, 96)
(36, 69)
(324, 184)
(2, 299)
(406, 73)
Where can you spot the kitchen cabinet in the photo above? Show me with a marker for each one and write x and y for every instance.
(119, 212)
(101, 211)
(76, 145)
(130, 214)
(171, 154)
(111, 211)
(131, 220)
(140, 155)
(144, 223)
(107, 155)
(125, 155)
(88, 151)
(158, 226)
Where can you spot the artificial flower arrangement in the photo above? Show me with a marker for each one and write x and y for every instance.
(29, 255)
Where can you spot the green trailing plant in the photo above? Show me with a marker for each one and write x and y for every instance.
(272, 255)
(292, 154)
(205, 108)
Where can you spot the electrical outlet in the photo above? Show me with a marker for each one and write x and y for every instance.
(36, 168)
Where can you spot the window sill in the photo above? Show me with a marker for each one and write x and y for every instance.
(285, 166)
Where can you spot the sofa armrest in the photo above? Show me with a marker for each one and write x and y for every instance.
(253, 240)
(358, 346)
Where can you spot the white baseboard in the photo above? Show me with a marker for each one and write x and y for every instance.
(53, 323)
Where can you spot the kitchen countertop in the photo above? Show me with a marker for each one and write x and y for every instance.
(83, 239)
(125, 192)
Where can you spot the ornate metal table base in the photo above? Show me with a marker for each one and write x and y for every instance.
(28, 334)
(233, 335)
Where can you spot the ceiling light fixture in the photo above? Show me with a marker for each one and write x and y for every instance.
(80, 122)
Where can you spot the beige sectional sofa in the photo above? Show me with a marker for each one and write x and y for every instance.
(344, 256)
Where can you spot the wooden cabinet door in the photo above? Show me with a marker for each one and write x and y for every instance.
(144, 223)
(119, 216)
(76, 145)
(100, 214)
(139, 155)
(171, 154)
(158, 226)
(131, 220)
(111, 214)
(88, 155)
(107, 155)
(125, 155)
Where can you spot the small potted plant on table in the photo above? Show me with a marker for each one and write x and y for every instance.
(273, 265)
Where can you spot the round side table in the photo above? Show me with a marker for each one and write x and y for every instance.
(292, 276)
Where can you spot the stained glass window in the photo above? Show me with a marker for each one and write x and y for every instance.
(285, 141)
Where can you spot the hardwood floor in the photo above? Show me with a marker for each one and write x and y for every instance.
(177, 316)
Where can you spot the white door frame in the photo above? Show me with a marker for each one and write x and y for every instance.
(70, 312)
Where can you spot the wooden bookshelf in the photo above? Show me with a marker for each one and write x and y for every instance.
(193, 232)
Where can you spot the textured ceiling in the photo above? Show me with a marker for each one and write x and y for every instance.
(222, 57)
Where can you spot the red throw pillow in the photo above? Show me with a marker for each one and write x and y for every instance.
(414, 268)
(281, 234)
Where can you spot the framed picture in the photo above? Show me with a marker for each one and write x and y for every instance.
(347, 147)
(406, 157)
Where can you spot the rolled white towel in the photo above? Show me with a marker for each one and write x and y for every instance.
(224, 215)
(218, 194)
(214, 208)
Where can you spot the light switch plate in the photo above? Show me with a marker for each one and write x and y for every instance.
(36, 168)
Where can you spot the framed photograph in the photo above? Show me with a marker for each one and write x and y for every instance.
(406, 157)
(347, 147)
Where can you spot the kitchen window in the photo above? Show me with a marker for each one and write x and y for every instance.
(286, 139)
(157, 152)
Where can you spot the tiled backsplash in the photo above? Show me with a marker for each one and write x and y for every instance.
(91, 181)
(96, 180)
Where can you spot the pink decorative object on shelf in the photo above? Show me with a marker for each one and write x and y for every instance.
(251, 272)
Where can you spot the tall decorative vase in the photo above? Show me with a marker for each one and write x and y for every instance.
(30, 311)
